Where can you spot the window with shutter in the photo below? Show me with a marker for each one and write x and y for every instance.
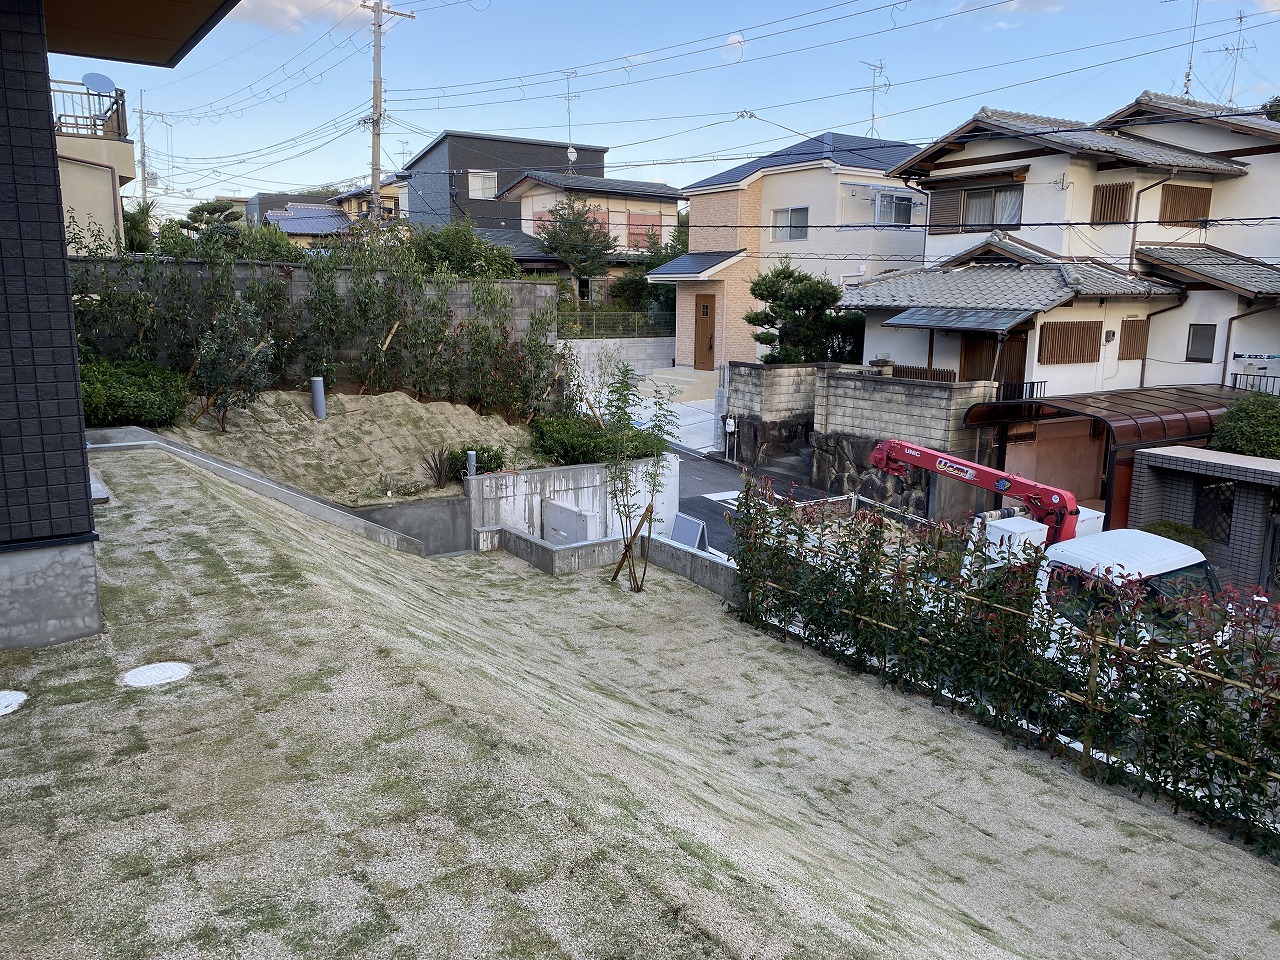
(1133, 337)
(638, 227)
(1070, 341)
(944, 212)
(1112, 202)
(1183, 206)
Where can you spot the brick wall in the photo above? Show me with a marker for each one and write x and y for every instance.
(44, 484)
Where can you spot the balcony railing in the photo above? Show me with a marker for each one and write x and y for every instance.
(1024, 390)
(79, 111)
(1256, 381)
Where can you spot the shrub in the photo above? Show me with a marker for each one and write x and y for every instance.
(566, 440)
(1251, 426)
(488, 460)
(1180, 532)
(233, 363)
(131, 393)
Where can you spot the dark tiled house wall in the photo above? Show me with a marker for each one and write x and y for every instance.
(44, 480)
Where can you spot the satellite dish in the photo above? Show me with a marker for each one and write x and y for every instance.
(99, 83)
(573, 154)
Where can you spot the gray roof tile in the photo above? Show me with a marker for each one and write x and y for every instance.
(309, 219)
(965, 283)
(1214, 265)
(609, 186)
(523, 246)
(1123, 146)
(840, 148)
(1199, 109)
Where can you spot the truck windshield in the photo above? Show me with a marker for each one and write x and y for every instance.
(1192, 581)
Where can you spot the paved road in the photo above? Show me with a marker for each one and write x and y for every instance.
(709, 489)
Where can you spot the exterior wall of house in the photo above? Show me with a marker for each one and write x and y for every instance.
(1167, 347)
(262, 203)
(712, 221)
(1109, 373)
(91, 194)
(538, 200)
(46, 521)
(428, 188)
(909, 347)
(391, 196)
(1254, 335)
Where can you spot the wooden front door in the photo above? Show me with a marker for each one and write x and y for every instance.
(704, 331)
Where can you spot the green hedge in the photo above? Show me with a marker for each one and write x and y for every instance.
(488, 460)
(567, 440)
(131, 393)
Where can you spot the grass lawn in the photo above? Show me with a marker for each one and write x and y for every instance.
(383, 756)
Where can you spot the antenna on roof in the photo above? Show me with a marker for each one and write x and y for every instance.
(1241, 45)
(1191, 47)
(877, 71)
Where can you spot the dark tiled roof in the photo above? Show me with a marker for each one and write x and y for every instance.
(692, 264)
(949, 318)
(1163, 103)
(309, 219)
(1216, 266)
(572, 182)
(1123, 146)
(523, 246)
(1039, 282)
(393, 179)
(840, 148)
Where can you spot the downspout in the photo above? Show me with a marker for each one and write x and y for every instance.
(1137, 204)
(1142, 371)
(1226, 355)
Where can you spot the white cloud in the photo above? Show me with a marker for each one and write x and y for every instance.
(279, 14)
(1030, 6)
(1269, 6)
(1002, 25)
(734, 46)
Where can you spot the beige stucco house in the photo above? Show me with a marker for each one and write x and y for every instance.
(825, 202)
(95, 154)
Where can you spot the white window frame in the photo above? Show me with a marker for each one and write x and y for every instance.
(898, 197)
(472, 175)
(785, 228)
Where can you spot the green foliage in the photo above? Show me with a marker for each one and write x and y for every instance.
(174, 242)
(488, 460)
(137, 226)
(1251, 426)
(1153, 687)
(800, 323)
(211, 213)
(1272, 109)
(456, 249)
(574, 235)
(636, 293)
(269, 243)
(1180, 533)
(131, 393)
(233, 362)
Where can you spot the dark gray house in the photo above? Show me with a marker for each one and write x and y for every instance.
(459, 174)
(257, 206)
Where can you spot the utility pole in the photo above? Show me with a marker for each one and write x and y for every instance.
(375, 168)
(142, 144)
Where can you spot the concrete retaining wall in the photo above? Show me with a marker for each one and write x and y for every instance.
(706, 570)
(772, 408)
(49, 594)
(514, 499)
(551, 558)
(442, 526)
(645, 354)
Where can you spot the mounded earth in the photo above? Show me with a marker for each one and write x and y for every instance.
(366, 447)
(381, 756)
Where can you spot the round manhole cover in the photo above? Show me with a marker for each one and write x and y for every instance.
(154, 674)
(11, 700)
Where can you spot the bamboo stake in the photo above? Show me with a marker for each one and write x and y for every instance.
(626, 550)
(385, 343)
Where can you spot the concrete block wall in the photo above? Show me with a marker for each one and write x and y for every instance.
(1164, 488)
(645, 354)
(772, 406)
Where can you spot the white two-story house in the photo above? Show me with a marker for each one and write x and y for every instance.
(1115, 277)
(825, 202)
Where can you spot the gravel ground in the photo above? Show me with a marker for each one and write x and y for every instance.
(366, 446)
(383, 756)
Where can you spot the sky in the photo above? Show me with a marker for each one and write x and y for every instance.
(273, 97)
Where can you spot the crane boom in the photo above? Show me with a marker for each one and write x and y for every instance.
(1054, 507)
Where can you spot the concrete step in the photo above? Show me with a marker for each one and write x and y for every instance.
(692, 384)
(791, 467)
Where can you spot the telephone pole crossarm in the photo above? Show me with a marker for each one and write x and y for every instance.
(379, 8)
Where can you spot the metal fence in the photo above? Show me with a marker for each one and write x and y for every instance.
(1256, 381)
(78, 110)
(603, 324)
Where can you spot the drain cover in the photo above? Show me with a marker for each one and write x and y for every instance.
(11, 700)
(154, 674)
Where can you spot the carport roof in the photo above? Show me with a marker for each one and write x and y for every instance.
(974, 321)
(1151, 416)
